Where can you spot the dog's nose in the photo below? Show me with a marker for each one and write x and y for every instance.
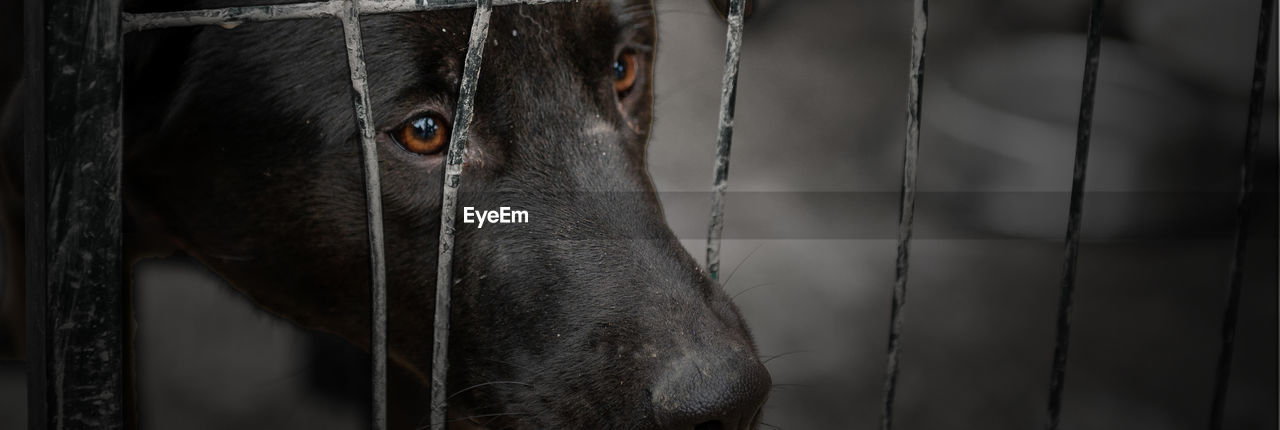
(722, 390)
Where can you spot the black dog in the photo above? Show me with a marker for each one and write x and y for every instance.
(241, 151)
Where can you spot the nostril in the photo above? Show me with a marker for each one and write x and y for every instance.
(709, 425)
(720, 389)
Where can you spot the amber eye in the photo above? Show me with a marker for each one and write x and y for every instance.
(426, 134)
(624, 73)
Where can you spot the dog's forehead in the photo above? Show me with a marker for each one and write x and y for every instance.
(538, 33)
(548, 20)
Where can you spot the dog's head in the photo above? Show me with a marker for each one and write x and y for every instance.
(245, 154)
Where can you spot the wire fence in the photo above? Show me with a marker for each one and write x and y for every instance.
(77, 357)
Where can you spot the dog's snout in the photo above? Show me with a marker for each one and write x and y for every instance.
(711, 390)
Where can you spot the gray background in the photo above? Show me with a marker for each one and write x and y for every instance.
(818, 148)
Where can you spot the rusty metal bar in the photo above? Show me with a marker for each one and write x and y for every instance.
(907, 209)
(449, 211)
(329, 9)
(1084, 131)
(1236, 277)
(728, 98)
(76, 297)
(350, 16)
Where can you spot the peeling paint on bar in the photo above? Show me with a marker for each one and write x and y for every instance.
(1084, 130)
(373, 205)
(1247, 173)
(76, 297)
(449, 211)
(232, 15)
(907, 209)
(728, 98)
(236, 15)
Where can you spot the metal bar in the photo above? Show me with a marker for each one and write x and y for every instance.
(449, 211)
(72, 187)
(1236, 278)
(35, 215)
(907, 209)
(148, 21)
(350, 16)
(1084, 131)
(236, 15)
(728, 99)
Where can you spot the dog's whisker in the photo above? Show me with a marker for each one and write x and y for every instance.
(782, 387)
(739, 266)
(451, 396)
(772, 426)
(766, 284)
(493, 415)
(788, 353)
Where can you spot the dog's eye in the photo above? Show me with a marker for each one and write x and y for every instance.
(426, 134)
(624, 73)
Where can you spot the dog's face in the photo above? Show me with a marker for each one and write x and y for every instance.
(245, 154)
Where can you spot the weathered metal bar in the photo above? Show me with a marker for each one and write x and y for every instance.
(907, 208)
(235, 15)
(1236, 277)
(73, 212)
(350, 16)
(728, 99)
(148, 21)
(34, 215)
(449, 210)
(1084, 131)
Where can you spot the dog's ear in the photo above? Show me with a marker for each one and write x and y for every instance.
(722, 8)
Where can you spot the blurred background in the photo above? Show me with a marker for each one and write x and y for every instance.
(811, 225)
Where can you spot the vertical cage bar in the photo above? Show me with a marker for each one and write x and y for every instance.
(34, 214)
(907, 209)
(1084, 131)
(75, 291)
(350, 16)
(728, 98)
(449, 211)
(1236, 277)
